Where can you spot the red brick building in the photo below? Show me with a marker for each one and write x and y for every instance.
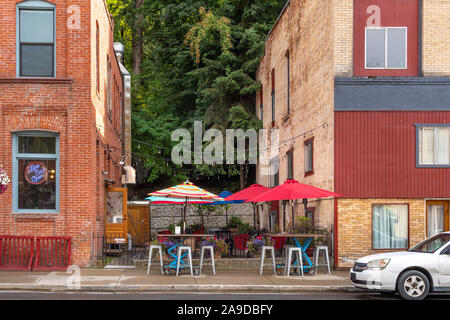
(64, 129)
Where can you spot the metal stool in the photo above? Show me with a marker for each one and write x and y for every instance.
(159, 248)
(284, 254)
(189, 253)
(298, 250)
(211, 250)
(316, 257)
(263, 253)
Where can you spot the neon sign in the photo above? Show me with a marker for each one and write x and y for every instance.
(36, 173)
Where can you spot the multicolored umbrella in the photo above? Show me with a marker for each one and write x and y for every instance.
(165, 200)
(291, 190)
(187, 191)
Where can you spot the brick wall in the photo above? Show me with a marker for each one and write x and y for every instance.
(436, 38)
(343, 37)
(355, 227)
(305, 29)
(63, 104)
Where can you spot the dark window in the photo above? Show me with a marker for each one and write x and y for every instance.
(310, 215)
(273, 95)
(288, 80)
(97, 56)
(274, 172)
(261, 105)
(309, 157)
(36, 42)
(108, 90)
(36, 173)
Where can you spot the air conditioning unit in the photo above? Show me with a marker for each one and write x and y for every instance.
(130, 175)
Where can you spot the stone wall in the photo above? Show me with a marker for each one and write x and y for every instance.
(162, 215)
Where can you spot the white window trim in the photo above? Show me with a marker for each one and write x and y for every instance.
(385, 48)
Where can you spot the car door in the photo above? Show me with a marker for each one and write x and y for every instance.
(444, 268)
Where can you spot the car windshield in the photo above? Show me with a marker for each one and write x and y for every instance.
(433, 244)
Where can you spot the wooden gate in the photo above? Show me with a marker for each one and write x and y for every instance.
(139, 222)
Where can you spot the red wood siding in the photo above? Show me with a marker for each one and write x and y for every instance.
(394, 13)
(376, 156)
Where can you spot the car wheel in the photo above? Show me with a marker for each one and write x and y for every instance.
(413, 285)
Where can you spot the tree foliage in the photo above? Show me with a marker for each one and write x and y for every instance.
(198, 64)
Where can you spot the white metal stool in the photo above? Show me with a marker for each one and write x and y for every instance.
(211, 250)
(292, 250)
(263, 253)
(316, 257)
(159, 248)
(189, 254)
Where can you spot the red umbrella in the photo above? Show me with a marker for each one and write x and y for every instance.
(291, 190)
(247, 193)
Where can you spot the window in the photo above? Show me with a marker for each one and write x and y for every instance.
(288, 71)
(261, 105)
(108, 89)
(386, 48)
(390, 226)
(433, 145)
(274, 172)
(290, 164)
(36, 172)
(309, 165)
(36, 39)
(273, 95)
(310, 215)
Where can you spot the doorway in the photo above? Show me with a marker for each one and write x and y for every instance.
(437, 217)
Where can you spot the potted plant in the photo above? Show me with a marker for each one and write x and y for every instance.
(4, 181)
(220, 246)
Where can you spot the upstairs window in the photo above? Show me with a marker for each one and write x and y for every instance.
(288, 77)
(434, 146)
(36, 39)
(386, 48)
(273, 95)
(309, 160)
(290, 164)
(274, 172)
(261, 106)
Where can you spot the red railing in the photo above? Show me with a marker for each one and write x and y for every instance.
(16, 252)
(278, 242)
(52, 253)
(35, 253)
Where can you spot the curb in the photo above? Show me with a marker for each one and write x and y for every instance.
(183, 288)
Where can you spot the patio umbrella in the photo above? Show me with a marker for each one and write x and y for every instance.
(247, 193)
(224, 194)
(187, 191)
(165, 200)
(291, 190)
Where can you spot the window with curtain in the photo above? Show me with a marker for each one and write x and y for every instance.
(309, 165)
(434, 145)
(274, 172)
(36, 172)
(36, 39)
(435, 219)
(390, 226)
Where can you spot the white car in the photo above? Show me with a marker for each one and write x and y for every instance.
(413, 274)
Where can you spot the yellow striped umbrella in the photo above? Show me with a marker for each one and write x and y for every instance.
(187, 190)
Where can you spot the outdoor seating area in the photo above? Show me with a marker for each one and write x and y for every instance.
(299, 251)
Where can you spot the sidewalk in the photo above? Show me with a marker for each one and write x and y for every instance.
(130, 280)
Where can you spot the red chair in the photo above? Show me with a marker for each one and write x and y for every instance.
(161, 239)
(198, 232)
(240, 241)
(278, 243)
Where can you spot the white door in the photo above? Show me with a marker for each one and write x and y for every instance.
(444, 268)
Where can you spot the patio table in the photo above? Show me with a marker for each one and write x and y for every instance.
(306, 243)
(178, 240)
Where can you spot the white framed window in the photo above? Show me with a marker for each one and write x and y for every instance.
(433, 145)
(274, 172)
(390, 226)
(386, 48)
